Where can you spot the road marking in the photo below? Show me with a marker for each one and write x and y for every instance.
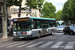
(57, 44)
(35, 44)
(70, 45)
(5, 43)
(15, 45)
(45, 45)
(8, 44)
(24, 45)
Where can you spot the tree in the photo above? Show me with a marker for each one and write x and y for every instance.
(72, 6)
(4, 20)
(48, 10)
(17, 3)
(68, 12)
(65, 15)
(31, 3)
(58, 15)
(35, 4)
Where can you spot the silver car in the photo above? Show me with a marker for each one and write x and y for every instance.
(60, 28)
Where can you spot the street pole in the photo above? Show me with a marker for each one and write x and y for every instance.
(4, 20)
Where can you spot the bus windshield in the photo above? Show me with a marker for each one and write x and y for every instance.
(21, 25)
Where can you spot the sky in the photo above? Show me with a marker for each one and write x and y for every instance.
(57, 3)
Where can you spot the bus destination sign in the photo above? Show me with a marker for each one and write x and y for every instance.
(22, 19)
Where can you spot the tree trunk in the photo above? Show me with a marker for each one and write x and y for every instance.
(19, 9)
(5, 20)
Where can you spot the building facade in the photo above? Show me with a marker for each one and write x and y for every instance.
(1, 14)
(24, 13)
(15, 11)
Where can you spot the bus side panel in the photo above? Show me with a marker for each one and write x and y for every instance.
(35, 32)
(54, 29)
(49, 31)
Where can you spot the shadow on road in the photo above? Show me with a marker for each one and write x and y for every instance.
(30, 39)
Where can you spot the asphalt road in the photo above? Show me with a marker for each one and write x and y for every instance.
(57, 41)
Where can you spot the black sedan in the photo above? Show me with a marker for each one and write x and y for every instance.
(69, 30)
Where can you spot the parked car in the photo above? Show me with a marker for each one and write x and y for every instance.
(60, 28)
(69, 30)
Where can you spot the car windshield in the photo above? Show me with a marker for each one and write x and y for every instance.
(60, 26)
(72, 27)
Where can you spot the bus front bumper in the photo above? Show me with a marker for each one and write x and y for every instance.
(23, 36)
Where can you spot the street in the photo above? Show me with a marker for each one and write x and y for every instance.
(57, 41)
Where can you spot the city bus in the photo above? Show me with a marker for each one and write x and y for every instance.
(30, 27)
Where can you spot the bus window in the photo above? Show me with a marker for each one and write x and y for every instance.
(22, 25)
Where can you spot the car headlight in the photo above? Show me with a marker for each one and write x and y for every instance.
(74, 30)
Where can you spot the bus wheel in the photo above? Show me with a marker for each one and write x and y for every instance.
(14, 39)
(39, 35)
(52, 33)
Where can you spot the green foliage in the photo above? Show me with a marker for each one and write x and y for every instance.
(58, 15)
(14, 2)
(34, 3)
(72, 5)
(48, 10)
(68, 12)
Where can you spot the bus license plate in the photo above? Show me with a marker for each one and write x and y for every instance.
(21, 37)
(18, 33)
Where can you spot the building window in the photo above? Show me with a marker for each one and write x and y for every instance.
(13, 9)
(26, 14)
(0, 7)
(19, 16)
(35, 15)
(35, 11)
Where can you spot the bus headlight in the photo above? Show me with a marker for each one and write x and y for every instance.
(29, 32)
(14, 33)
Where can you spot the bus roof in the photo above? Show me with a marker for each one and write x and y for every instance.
(42, 18)
(37, 18)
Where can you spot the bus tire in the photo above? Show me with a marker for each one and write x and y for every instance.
(39, 35)
(52, 33)
(14, 39)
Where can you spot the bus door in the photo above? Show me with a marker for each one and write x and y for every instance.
(44, 29)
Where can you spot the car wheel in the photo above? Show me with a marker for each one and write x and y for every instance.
(14, 39)
(64, 33)
(71, 33)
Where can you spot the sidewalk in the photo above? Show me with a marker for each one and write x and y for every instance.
(5, 40)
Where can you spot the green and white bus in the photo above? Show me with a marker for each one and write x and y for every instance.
(30, 27)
